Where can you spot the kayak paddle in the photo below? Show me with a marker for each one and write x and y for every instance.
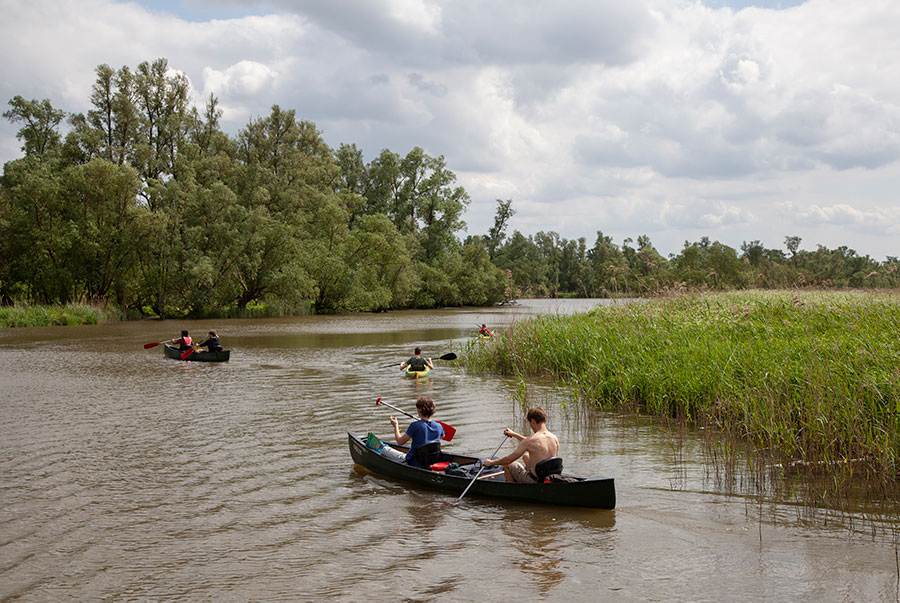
(147, 346)
(447, 356)
(449, 430)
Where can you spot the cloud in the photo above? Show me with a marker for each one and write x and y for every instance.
(243, 79)
(878, 220)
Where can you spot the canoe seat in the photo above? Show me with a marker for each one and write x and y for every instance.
(548, 467)
(428, 454)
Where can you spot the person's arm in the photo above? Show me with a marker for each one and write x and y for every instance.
(512, 434)
(404, 364)
(429, 363)
(203, 345)
(521, 449)
(401, 439)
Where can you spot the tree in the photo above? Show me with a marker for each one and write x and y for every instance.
(161, 99)
(100, 198)
(498, 231)
(753, 251)
(606, 261)
(39, 132)
(793, 244)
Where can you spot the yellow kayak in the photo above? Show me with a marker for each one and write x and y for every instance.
(417, 374)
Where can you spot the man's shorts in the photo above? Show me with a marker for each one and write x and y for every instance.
(520, 474)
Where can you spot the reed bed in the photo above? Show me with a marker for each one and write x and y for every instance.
(812, 378)
(69, 314)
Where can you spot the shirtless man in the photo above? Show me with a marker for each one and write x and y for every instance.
(533, 449)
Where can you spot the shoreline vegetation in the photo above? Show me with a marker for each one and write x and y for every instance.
(810, 379)
(33, 315)
(29, 315)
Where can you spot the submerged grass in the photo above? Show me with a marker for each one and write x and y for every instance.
(812, 378)
(69, 314)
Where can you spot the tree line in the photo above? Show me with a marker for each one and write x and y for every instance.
(547, 265)
(147, 204)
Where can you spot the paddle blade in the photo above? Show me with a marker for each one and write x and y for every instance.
(187, 353)
(449, 431)
(147, 346)
(450, 356)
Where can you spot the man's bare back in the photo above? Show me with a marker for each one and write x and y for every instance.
(533, 449)
(539, 446)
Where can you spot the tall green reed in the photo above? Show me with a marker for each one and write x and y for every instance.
(812, 377)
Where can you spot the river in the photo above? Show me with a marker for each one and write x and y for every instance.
(126, 475)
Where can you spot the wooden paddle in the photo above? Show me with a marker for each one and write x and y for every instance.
(493, 454)
(448, 356)
(449, 430)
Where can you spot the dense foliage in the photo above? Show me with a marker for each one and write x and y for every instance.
(148, 205)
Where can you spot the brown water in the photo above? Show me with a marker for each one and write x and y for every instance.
(127, 475)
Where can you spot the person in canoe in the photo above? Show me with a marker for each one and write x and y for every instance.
(212, 342)
(533, 449)
(421, 432)
(184, 342)
(484, 331)
(416, 362)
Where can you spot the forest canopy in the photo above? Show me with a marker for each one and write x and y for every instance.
(145, 203)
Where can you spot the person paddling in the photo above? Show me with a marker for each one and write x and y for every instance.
(416, 363)
(533, 449)
(484, 331)
(212, 342)
(184, 342)
(423, 431)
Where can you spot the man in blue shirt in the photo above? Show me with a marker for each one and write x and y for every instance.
(420, 432)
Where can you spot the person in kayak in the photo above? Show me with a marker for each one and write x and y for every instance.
(416, 362)
(212, 342)
(533, 449)
(484, 331)
(184, 342)
(423, 431)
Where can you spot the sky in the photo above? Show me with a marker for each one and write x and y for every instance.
(676, 119)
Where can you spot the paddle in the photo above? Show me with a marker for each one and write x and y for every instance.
(449, 430)
(448, 356)
(147, 346)
(187, 353)
(493, 454)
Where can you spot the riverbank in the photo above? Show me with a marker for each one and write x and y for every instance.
(809, 377)
(70, 314)
(25, 315)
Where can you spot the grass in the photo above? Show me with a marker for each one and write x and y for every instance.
(69, 314)
(809, 377)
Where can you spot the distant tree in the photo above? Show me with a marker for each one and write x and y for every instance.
(793, 244)
(497, 233)
(39, 132)
(753, 251)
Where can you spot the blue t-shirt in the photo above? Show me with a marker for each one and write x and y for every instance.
(422, 432)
